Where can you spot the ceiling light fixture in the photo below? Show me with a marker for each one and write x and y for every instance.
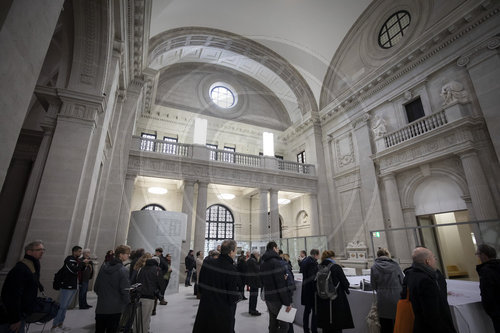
(284, 201)
(226, 196)
(157, 190)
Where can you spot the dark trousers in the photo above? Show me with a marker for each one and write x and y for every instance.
(188, 277)
(107, 323)
(496, 324)
(275, 325)
(254, 293)
(82, 294)
(309, 310)
(386, 325)
(163, 287)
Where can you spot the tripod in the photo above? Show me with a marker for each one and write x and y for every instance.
(131, 315)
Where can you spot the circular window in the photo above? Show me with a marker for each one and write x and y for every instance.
(222, 95)
(394, 29)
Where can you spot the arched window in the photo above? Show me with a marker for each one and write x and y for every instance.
(220, 226)
(153, 207)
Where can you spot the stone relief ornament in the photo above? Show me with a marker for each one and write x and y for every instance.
(378, 127)
(454, 91)
(355, 244)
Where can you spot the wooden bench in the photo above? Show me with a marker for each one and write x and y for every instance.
(454, 272)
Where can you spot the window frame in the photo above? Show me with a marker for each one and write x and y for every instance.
(169, 148)
(148, 145)
(154, 205)
(385, 30)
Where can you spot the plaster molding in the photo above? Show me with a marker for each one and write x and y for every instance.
(489, 44)
(394, 70)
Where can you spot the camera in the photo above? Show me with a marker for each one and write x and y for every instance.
(135, 292)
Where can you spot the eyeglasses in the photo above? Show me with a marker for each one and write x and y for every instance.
(38, 250)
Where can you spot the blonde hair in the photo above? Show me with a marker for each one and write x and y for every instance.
(286, 256)
(327, 254)
(383, 252)
(141, 262)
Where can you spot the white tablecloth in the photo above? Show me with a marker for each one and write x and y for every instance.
(464, 299)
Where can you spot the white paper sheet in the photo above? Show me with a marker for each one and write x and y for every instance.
(289, 317)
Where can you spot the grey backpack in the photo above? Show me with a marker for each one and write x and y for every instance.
(325, 287)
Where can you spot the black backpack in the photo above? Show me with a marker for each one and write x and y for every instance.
(58, 278)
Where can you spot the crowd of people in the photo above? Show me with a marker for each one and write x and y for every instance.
(221, 279)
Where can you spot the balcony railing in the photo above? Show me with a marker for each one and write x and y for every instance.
(219, 155)
(417, 128)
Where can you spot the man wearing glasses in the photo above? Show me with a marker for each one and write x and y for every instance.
(20, 289)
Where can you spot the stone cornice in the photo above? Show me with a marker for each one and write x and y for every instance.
(489, 44)
(139, 21)
(150, 164)
(395, 70)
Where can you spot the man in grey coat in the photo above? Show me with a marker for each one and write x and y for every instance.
(387, 279)
(112, 288)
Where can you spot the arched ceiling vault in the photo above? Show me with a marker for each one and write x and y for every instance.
(204, 45)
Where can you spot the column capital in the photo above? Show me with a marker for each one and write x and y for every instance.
(388, 176)
(467, 153)
(188, 182)
(361, 121)
(202, 184)
(130, 176)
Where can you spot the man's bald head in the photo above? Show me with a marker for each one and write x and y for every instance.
(424, 256)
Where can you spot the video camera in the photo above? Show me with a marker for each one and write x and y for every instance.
(135, 292)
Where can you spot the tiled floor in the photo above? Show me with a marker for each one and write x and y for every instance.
(176, 317)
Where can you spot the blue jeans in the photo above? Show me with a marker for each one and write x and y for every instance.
(65, 298)
(82, 296)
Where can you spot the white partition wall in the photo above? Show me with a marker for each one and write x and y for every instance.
(151, 229)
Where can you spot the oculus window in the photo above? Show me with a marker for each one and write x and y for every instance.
(223, 95)
(219, 226)
(394, 29)
(153, 207)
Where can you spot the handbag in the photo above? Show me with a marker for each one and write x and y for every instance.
(404, 315)
(372, 318)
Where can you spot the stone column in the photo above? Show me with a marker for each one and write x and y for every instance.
(410, 220)
(263, 217)
(484, 69)
(21, 60)
(369, 192)
(201, 217)
(16, 248)
(314, 220)
(398, 247)
(274, 214)
(479, 190)
(187, 208)
(124, 219)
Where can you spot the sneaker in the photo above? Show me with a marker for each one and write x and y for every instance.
(163, 302)
(255, 313)
(64, 328)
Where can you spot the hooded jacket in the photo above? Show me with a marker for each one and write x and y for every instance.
(72, 267)
(489, 283)
(429, 299)
(112, 288)
(149, 277)
(387, 279)
(272, 274)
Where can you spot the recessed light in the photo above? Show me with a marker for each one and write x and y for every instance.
(283, 201)
(225, 196)
(157, 190)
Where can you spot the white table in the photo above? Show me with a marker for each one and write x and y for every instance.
(464, 299)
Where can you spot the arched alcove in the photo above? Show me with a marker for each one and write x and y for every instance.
(437, 194)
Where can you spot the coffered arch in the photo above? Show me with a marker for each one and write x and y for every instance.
(206, 45)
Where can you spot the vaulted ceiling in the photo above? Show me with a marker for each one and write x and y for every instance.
(286, 45)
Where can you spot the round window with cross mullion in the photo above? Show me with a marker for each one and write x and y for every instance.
(394, 29)
(223, 95)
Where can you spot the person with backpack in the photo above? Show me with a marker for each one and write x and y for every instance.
(20, 289)
(68, 285)
(332, 307)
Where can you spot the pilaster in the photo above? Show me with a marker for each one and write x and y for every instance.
(274, 214)
(187, 208)
(201, 217)
(263, 218)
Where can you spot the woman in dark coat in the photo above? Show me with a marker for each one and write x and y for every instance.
(338, 310)
(387, 279)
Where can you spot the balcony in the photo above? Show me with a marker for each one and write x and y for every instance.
(159, 158)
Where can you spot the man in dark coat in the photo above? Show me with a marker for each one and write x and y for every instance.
(190, 262)
(83, 280)
(253, 280)
(20, 288)
(164, 268)
(489, 282)
(428, 294)
(273, 276)
(242, 268)
(112, 288)
(218, 287)
(309, 268)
